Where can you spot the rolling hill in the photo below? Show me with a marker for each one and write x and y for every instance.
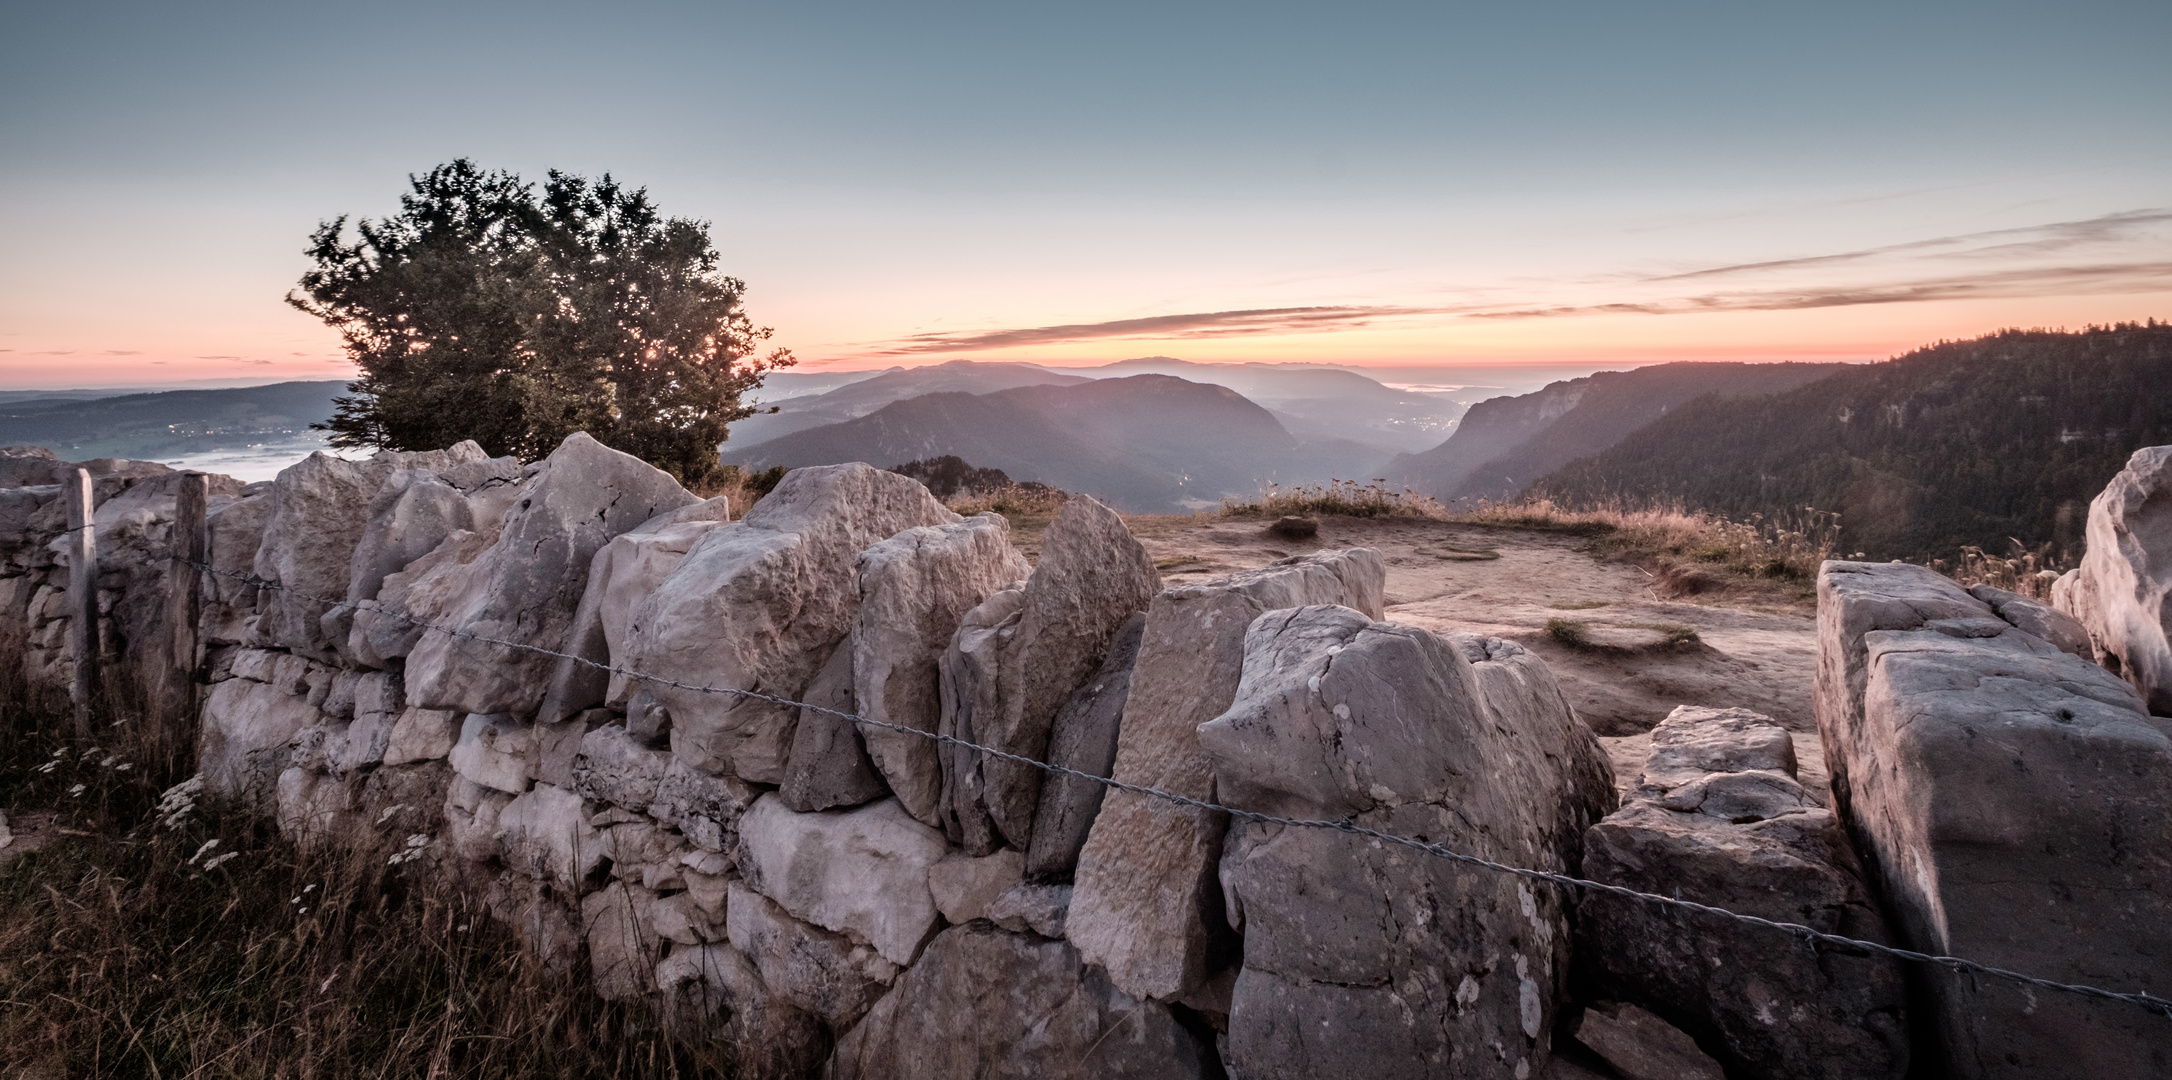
(171, 424)
(2006, 437)
(1146, 442)
(1503, 445)
(862, 396)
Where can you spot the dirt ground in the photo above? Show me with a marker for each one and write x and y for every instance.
(1756, 652)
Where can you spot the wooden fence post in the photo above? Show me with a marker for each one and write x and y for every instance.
(191, 546)
(82, 597)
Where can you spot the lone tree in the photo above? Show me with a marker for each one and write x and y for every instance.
(481, 311)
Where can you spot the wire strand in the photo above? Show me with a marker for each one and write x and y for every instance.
(2160, 1006)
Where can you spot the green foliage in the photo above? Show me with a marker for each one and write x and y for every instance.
(1981, 443)
(485, 311)
(951, 475)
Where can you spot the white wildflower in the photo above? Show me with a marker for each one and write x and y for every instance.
(124, 766)
(204, 850)
(76, 790)
(49, 766)
(389, 811)
(217, 861)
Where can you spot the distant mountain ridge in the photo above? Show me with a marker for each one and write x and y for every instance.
(863, 396)
(168, 424)
(1146, 442)
(1970, 442)
(1504, 444)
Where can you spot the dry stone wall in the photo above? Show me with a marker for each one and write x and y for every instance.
(837, 898)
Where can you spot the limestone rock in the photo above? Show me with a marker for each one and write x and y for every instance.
(315, 810)
(319, 509)
(413, 513)
(399, 801)
(422, 735)
(2123, 592)
(493, 751)
(1083, 737)
(1338, 717)
(806, 966)
(546, 834)
(360, 744)
(1039, 908)
(862, 871)
(829, 765)
(237, 530)
(1644, 1047)
(1146, 905)
(613, 768)
(757, 604)
(526, 587)
(1990, 782)
(995, 1005)
(972, 688)
(421, 594)
(622, 951)
(915, 587)
(1719, 819)
(2044, 621)
(471, 819)
(964, 886)
(620, 575)
(242, 747)
(713, 991)
(1092, 576)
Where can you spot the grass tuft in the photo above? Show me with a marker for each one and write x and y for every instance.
(211, 947)
(1347, 498)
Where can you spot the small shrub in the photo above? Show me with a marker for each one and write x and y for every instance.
(1029, 499)
(950, 475)
(1347, 498)
(1569, 632)
(2025, 570)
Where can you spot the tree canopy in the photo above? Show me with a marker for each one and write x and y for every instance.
(484, 310)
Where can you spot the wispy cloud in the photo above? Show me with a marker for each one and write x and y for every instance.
(123, 352)
(2047, 239)
(2112, 254)
(1288, 320)
(2012, 284)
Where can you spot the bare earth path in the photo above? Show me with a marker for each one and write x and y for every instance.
(1509, 582)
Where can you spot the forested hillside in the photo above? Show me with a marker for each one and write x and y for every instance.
(1982, 442)
(1506, 443)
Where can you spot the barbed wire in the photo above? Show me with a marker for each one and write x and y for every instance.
(1813, 937)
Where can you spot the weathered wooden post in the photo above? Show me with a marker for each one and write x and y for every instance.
(82, 597)
(191, 547)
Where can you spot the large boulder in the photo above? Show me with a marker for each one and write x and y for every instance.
(2122, 592)
(243, 745)
(525, 588)
(861, 872)
(414, 511)
(914, 589)
(829, 766)
(825, 973)
(1083, 738)
(1998, 790)
(712, 992)
(319, 509)
(758, 604)
(1465, 742)
(1092, 576)
(1146, 904)
(1718, 818)
(236, 528)
(620, 575)
(995, 1005)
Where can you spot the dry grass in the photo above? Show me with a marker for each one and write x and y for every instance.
(2023, 570)
(1347, 498)
(129, 948)
(1012, 501)
(1688, 553)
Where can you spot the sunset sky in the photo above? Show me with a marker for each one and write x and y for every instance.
(1374, 184)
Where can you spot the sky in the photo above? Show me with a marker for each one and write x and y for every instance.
(1398, 185)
